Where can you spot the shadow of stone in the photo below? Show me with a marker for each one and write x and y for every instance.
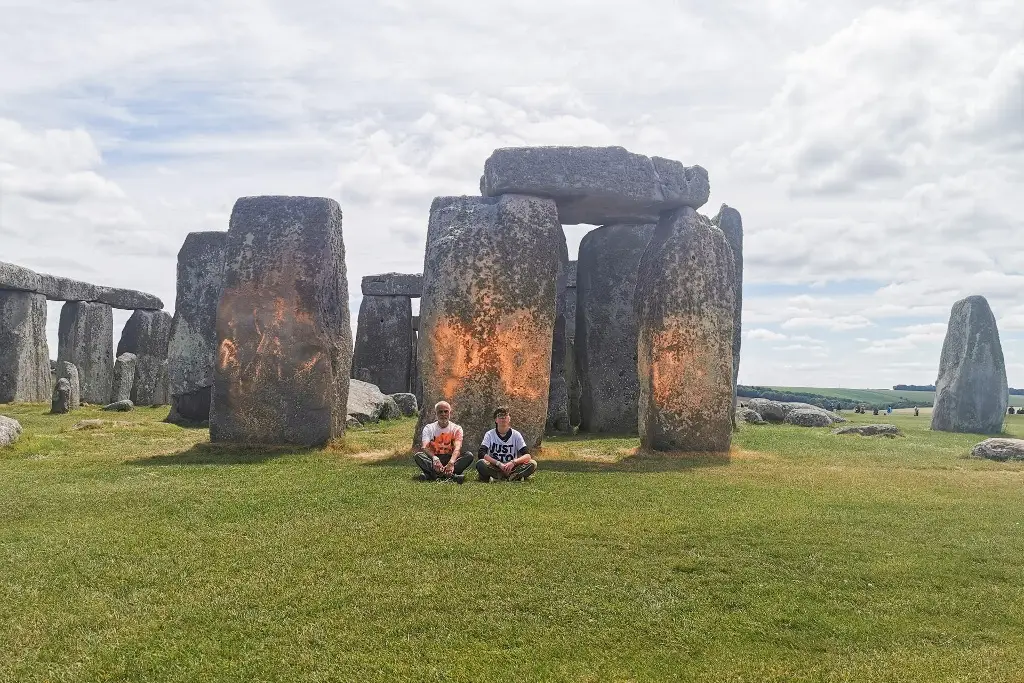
(220, 454)
(639, 463)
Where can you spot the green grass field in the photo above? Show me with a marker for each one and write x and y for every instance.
(137, 551)
(877, 396)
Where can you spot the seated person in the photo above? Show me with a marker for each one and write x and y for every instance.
(442, 440)
(503, 453)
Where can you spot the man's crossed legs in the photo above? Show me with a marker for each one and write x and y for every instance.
(433, 468)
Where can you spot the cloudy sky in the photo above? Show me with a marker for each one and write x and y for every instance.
(876, 152)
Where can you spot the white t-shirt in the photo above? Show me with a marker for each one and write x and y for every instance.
(504, 450)
(442, 439)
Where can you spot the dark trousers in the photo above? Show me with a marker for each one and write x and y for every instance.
(487, 471)
(426, 463)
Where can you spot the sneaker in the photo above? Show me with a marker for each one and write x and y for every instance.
(459, 478)
(521, 472)
(419, 477)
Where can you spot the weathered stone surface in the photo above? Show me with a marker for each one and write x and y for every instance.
(384, 338)
(558, 391)
(771, 411)
(192, 348)
(416, 323)
(730, 223)
(407, 403)
(685, 307)
(606, 326)
(56, 288)
(596, 185)
(146, 334)
(351, 421)
(971, 393)
(24, 353)
(68, 371)
(804, 417)
(572, 376)
(749, 415)
(124, 377)
(61, 401)
(192, 408)
(417, 382)
(10, 431)
(393, 284)
(90, 424)
(283, 329)
(488, 311)
(870, 430)
(1000, 449)
(18, 279)
(161, 393)
(86, 339)
(65, 289)
(367, 403)
(119, 406)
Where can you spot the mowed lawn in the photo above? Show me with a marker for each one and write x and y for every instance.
(138, 552)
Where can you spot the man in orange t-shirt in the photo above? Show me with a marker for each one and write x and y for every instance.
(442, 440)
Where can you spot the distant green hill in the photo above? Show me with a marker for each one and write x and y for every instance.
(850, 397)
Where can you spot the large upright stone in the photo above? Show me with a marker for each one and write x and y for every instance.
(68, 371)
(730, 223)
(24, 353)
(124, 377)
(384, 336)
(85, 338)
(558, 391)
(192, 348)
(606, 326)
(685, 304)
(146, 334)
(572, 375)
(284, 336)
(596, 184)
(971, 393)
(393, 284)
(488, 311)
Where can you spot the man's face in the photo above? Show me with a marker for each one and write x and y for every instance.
(504, 423)
(443, 414)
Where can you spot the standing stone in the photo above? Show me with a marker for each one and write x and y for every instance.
(284, 336)
(146, 334)
(971, 393)
(383, 352)
(125, 367)
(193, 344)
(414, 373)
(61, 402)
(161, 393)
(730, 223)
(685, 307)
(606, 326)
(488, 311)
(85, 338)
(24, 353)
(572, 375)
(68, 371)
(558, 392)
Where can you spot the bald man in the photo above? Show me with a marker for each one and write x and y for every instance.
(442, 440)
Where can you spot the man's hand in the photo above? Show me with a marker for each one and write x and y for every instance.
(506, 468)
(437, 464)
(450, 467)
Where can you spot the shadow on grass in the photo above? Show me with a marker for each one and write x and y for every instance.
(639, 462)
(219, 454)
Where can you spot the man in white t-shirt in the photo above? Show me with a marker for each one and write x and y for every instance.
(503, 453)
(442, 456)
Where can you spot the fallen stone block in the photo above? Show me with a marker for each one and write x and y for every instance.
(1000, 449)
(406, 403)
(10, 431)
(119, 406)
(871, 430)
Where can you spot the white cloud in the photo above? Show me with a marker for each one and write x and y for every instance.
(765, 335)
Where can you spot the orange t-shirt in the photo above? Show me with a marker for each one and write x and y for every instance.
(442, 440)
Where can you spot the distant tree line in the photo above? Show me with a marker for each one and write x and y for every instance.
(931, 387)
(826, 401)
